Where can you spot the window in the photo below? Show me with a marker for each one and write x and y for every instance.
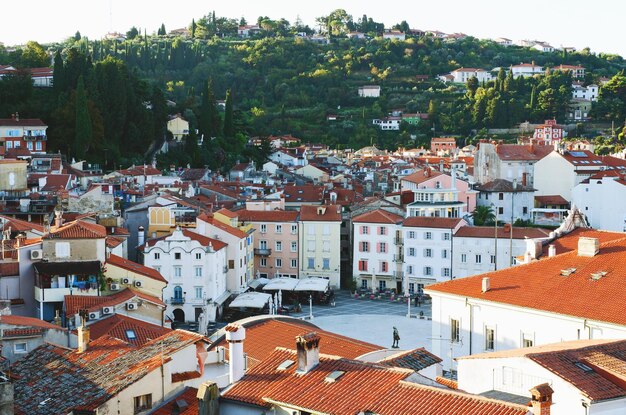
(445, 272)
(411, 235)
(143, 402)
(364, 284)
(197, 271)
(500, 210)
(9, 144)
(279, 228)
(198, 255)
(198, 292)
(311, 263)
(445, 236)
(428, 235)
(310, 245)
(463, 258)
(231, 264)
(444, 253)
(326, 229)
(294, 229)
(178, 271)
(493, 259)
(157, 255)
(325, 246)
(384, 267)
(411, 288)
(527, 340)
(364, 246)
(382, 285)
(525, 210)
(382, 247)
(490, 338)
(455, 330)
(38, 146)
(294, 263)
(294, 246)
(326, 263)
(62, 249)
(428, 271)
(29, 145)
(263, 262)
(500, 196)
(409, 269)
(263, 228)
(363, 265)
(263, 244)
(279, 246)
(479, 259)
(279, 263)
(411, 252)
(20, 347)
(365, 230)
(382, 230)
(428, 253)
(177, 255)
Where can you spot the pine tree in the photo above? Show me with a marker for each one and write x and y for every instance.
(83, 131)
(229, 128)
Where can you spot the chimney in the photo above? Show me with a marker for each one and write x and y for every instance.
(235, 335)
(541, 399)
(486, 284)
(551, 251)
(308, 351)
(524, 179)
(208, 399)
(588, 246)
(441, 166)
(58, 218)
(141, 236)
(83, 332)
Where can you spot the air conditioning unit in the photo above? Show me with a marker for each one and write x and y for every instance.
(138, 284)
(36, 254)
(131, 306)
(125, 281)
(107, 310)
(94, 315)
(115, 287)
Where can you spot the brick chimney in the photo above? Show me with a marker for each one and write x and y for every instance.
(83, 332)
(551, 250)
(588, 246)
(486, 284)
(307, 346)
(235, 335)
(541, 400)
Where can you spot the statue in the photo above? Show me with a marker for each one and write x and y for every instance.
(396, 339)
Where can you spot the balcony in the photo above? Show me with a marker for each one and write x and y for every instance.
(35, 137)
(262, 251)
(177, 301)
(398, 241)
(398, 258)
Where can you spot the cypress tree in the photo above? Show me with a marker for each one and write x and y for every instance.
(83, 131)
(208, 121)
(229, 127)
(58, 76)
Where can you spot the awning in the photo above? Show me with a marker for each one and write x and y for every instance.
(219, 300)
(285, 284)
(251, 300)
(68, 268)
(313, 284)
(258, 282)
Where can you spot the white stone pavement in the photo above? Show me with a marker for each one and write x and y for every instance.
(378, 329)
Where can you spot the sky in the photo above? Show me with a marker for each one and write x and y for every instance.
(596, 24)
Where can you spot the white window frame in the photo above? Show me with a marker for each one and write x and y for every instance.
(455, 330)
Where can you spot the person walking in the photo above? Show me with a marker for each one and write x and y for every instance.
(396, 338)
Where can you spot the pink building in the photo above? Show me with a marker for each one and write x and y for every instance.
(276, 241)
(438, 194)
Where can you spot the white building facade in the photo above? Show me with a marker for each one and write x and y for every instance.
(599, 198)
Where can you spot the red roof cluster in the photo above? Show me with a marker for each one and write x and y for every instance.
(118, 326)
(74, 303)
(378, 216)
(78, 230)
(135, 267)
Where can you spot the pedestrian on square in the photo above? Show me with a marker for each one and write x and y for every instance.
(396, 338)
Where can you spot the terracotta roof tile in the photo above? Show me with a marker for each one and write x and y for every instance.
(328, 213)
(303, 194)
(135, 267)
(522, 152)
(501, 185)
(262, 337)
(504, 232)
(267, 215)
(117, 326)
(227, 213)
(18, 225)
(378, 216)
(422, 175)
(78, 230)
(416, 359)
(569, 242)
(73, 303)
(432, 222)
(222, 226)
(22, 332)
(189, 395)
(539, 285)
(551, 200)
(27, 322)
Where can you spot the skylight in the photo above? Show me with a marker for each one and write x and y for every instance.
(577, 154)
(567, 272)
(130, 334)
(583, 367)
(597, 275)
(334, 376)
(285, 365)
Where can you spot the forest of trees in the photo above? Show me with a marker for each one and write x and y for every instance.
(109, 96)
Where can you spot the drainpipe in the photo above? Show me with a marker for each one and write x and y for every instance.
(471, 322)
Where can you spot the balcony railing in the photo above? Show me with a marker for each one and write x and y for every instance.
(398, 241)
(398, 258)
(262, 251)
(177, 301)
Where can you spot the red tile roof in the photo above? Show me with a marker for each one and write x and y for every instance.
(263, 336)
(22, 332)
(329, 213)
(422, 175)
(267, 215)
(116, 325)
(236, 232)
(432, 222)
(22, 122)
(378, 216)
(522, 152)
(91, 378)
(304, 194)
(74, 303)
(78, 230)
(135, 267)
(146, 170)
(569, 242)
(189, 395)
(9, 269)
(27, 322)
(227, 213)
(539, 285)
(18, 225)
(551, 200)
(504, 232)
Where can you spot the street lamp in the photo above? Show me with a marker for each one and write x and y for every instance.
(512, 208)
